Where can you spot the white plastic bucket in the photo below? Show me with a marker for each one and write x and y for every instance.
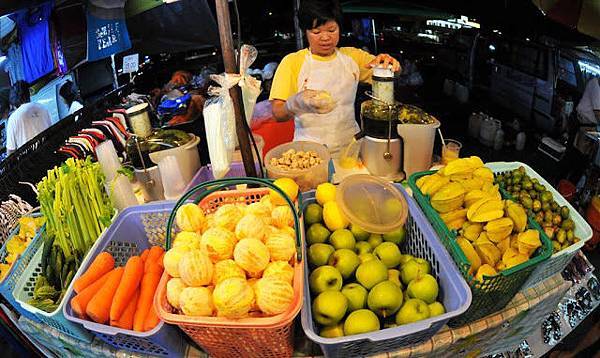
(187, 156)
(418, 145)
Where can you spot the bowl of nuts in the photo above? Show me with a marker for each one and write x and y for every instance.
(305, 162)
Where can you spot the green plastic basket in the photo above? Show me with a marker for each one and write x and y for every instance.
(493, 293)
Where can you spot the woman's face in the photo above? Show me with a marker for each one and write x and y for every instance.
(323, 39)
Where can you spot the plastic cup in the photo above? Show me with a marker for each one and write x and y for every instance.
(172, 178)
(121, 192)
(108, 159)
(450, 151)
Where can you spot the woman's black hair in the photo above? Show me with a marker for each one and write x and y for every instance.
(67, 92)
(314, 13)
(19, 94)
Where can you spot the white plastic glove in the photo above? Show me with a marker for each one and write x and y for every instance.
(310, 101)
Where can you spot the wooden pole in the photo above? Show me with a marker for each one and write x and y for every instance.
(297, 29)
(235, 92)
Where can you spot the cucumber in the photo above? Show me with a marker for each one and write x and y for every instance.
(48, 242)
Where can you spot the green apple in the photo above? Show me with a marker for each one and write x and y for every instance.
(313, 214)
(356, 295)
(366, 257)
(342, 239)
(317, 233)
(424, 287)
(392, 208)
(413, 310)
(405, 258)
(329, 307)
(371, 273)
(436, 309)
(332, 331)
(396, 236)
(385, 299)
(325, 278)
(363, 247)
(359, 233)
(388, 253)
(345, 261)
(361, 321)
(375, 240)
(318, 254)
(394, 276)
(414, 268)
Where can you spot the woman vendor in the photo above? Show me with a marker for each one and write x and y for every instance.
(303, 76)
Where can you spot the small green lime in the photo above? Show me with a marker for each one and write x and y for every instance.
(313, 214)
(317, 233)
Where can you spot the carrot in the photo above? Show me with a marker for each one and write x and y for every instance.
(152, 320)
(144, 254)
(98, 309)
(126, 319)
(134, 270)
(80, 302)
(148, 287)
(102, 264)
(154, 256)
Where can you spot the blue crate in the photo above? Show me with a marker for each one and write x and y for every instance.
(421, 241)
(134, 230)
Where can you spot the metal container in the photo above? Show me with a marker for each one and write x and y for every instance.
(383, 157)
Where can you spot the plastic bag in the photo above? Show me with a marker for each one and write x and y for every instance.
(250, 86)
(219, 122)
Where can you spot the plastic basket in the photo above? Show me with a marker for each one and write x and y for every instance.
(247, 337)
(494, 292)
(205, 174)
(421, 241)
(127, 236)
(557, 262)
(17, 268)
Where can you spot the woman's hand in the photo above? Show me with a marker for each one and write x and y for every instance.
(384, 60)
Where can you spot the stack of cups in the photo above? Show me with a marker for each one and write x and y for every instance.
(172, 178)
(117, 186)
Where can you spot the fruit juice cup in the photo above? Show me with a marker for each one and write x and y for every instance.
(450, 151)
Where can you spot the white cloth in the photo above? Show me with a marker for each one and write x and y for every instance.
(340, 78)
(590, 102)
(29, 120)
(75, 106)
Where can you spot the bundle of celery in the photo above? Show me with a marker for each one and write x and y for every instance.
(77, 209)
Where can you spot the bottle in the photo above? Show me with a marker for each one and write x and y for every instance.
(499, 139)
(520, 144)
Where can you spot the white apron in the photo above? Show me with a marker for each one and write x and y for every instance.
(340, 78)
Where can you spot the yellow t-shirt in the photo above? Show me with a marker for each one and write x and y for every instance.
(285, 81)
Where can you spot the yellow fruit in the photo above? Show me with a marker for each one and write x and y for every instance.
(325, 193)
(187, 238)
(461, 177)
(288, 186)
(333, 217)
(485, 209)
(251, 255)
(195, 268)
(504, 245)
(282, 216)
(485, 270)
(473, 196)
(492, 189)
(422, 181)
(470, 253)
(288, 231)
(227, 216)
(172, 258)
(208, 223)
(500, 266)
(218, 244)
(251, 227)
(266, 200)
(227, 269)
(259, 209)
(454, 215)
(499, 229)
(252, 282)
(528, 241)
(518, 216)
(281, 270)
(197, 301)
(513, 258)
(174, 288)
(514, 242)
(189, 217)
(449, 197)
(484, 173)
(462, 166)
(488, 253)
(472, 184)
(281, 247)
(233, 297)
(455, 224)
(434, 183)
(482, 239)
(471, 231)
(273, 295)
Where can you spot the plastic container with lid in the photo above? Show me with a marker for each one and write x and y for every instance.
(372, 203)
(139, 119)
(383, 84)
(306, 179)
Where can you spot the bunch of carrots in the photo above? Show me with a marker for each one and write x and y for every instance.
(120, 296)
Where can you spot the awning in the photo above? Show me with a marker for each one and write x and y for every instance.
(397, 8)
(582, 15)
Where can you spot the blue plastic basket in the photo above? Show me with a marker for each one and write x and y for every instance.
(421, 241)
(8, 284)
(134, 230)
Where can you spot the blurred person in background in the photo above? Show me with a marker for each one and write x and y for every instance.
(28, 119)
(69, 94)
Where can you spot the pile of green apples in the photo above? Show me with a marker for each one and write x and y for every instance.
(361, 282)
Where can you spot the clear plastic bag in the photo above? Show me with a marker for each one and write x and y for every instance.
(250, 86)
(219, 122)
